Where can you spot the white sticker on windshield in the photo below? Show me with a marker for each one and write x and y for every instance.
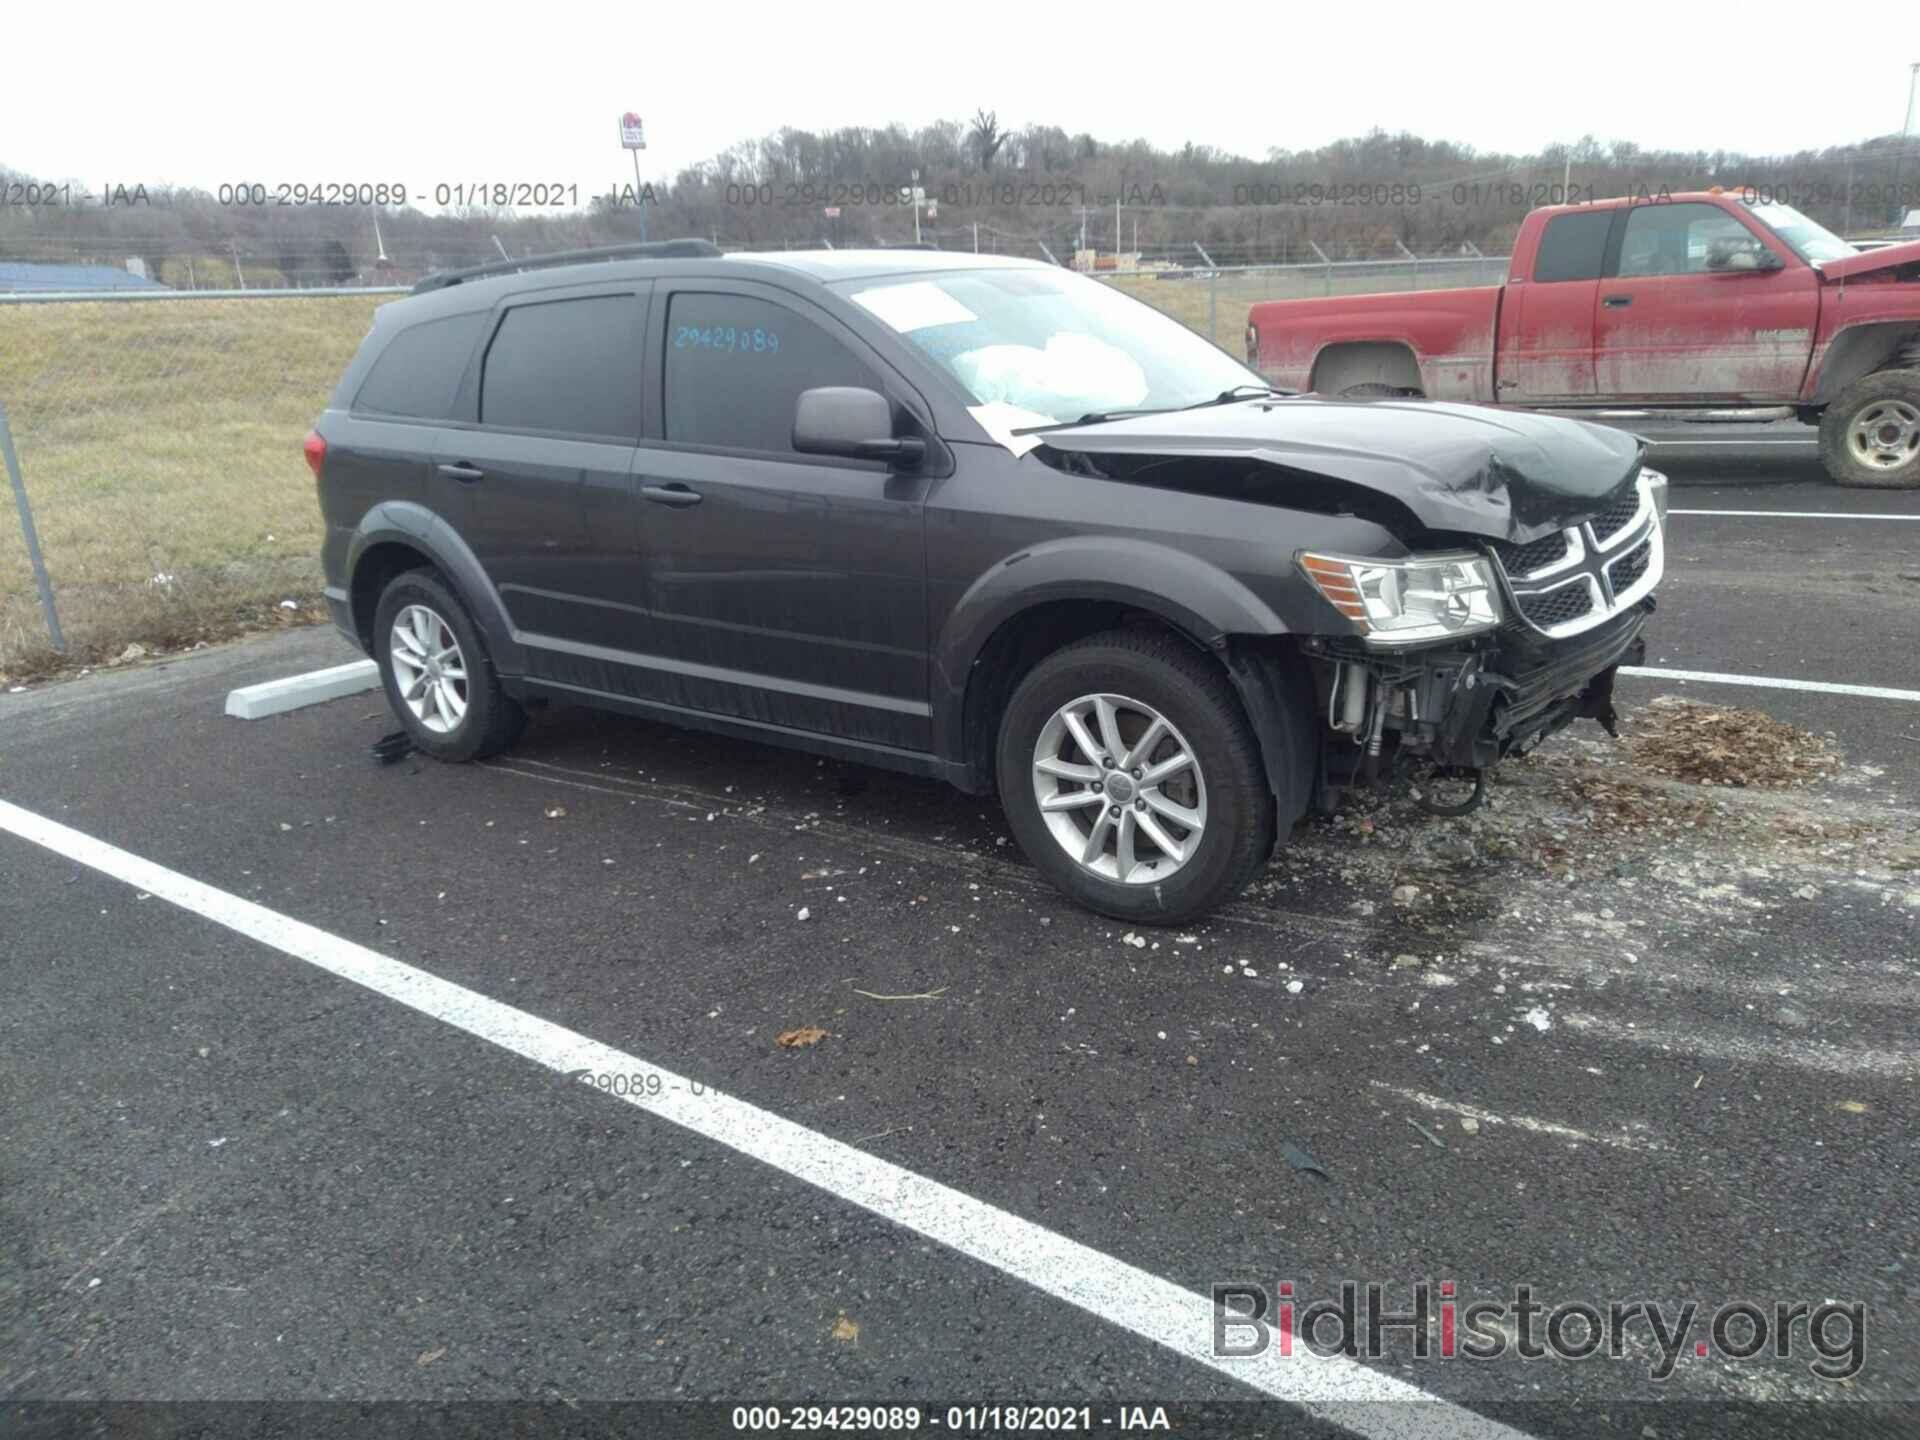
(1000, 420)
(914, 306)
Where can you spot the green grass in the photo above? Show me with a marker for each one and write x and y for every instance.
(162, 439)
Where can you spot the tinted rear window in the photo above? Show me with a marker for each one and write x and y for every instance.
(1573, 246)
(566, 365)
(418, 372)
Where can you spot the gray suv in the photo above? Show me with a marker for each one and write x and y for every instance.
(973, 518)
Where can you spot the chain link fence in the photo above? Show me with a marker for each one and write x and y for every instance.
(157, 439)
(1215, 300)
(157, 435)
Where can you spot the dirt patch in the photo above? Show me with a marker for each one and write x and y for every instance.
(159, 631)
(1719, 745)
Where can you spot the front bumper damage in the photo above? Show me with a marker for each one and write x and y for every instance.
(1466, 707)
(1576, 602)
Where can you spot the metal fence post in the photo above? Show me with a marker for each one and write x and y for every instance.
(30, 535)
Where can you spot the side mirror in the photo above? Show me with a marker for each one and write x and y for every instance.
(853, 421)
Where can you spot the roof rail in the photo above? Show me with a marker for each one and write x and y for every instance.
(644, 250)
(910, 245)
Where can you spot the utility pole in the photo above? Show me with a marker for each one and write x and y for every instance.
(1900, 155)
(239, 274)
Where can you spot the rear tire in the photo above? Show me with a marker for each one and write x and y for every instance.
(1870, 435)
(437, 674)
(1187, 841)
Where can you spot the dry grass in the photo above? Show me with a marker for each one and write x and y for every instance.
(160, 445)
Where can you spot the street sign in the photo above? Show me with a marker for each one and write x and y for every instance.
(633, 134)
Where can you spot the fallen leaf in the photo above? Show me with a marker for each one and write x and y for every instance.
(846, 1331)
(805, 1035)
(427, 1357)
(1852, 1107)
(556, 812)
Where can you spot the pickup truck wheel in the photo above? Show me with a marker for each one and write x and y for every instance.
(437, 676)
(1131, 779)
(1870, 435)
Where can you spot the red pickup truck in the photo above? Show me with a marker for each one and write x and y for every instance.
(1707, 306)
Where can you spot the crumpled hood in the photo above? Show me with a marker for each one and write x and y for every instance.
(1501, 474)
(1868, 262)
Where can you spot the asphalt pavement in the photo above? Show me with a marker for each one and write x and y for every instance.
(250, 1161)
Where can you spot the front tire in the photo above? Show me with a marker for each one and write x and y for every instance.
(438, 677)
(1131, 778)
(1870, 435)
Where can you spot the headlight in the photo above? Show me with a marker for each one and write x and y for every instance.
(1405, 602)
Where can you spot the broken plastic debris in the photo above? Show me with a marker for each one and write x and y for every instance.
(1432, 1138)
(390, 748)
(1302, 1161)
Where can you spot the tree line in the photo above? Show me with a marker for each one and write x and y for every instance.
(1030, 190)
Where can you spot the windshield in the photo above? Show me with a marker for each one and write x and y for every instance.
(1810, 241)
(1051, 343)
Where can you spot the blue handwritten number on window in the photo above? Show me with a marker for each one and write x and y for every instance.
(727, 338)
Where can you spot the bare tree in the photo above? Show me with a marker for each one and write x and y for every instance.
(986, 136)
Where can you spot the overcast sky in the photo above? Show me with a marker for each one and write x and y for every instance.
(353, 92)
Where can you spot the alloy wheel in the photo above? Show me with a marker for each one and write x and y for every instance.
(429, 669)
(1119, 789)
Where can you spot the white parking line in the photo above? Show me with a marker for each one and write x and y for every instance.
(1332, 1387)
(1771, 682)
(1795, 514)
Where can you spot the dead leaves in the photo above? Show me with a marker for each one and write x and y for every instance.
(1720, 745)
(795, 1039)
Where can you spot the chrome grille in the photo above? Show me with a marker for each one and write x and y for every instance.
(1617, 516)
(1549, 608)
(1580, 577)
(1530, 559)
(1626, 572)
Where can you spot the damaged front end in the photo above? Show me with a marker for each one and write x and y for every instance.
(1540, 630)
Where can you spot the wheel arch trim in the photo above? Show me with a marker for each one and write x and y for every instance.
(1200, 601)
(413, 525)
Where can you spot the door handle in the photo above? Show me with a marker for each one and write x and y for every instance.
(464, 473)
(676, 495)
(1616, 302)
